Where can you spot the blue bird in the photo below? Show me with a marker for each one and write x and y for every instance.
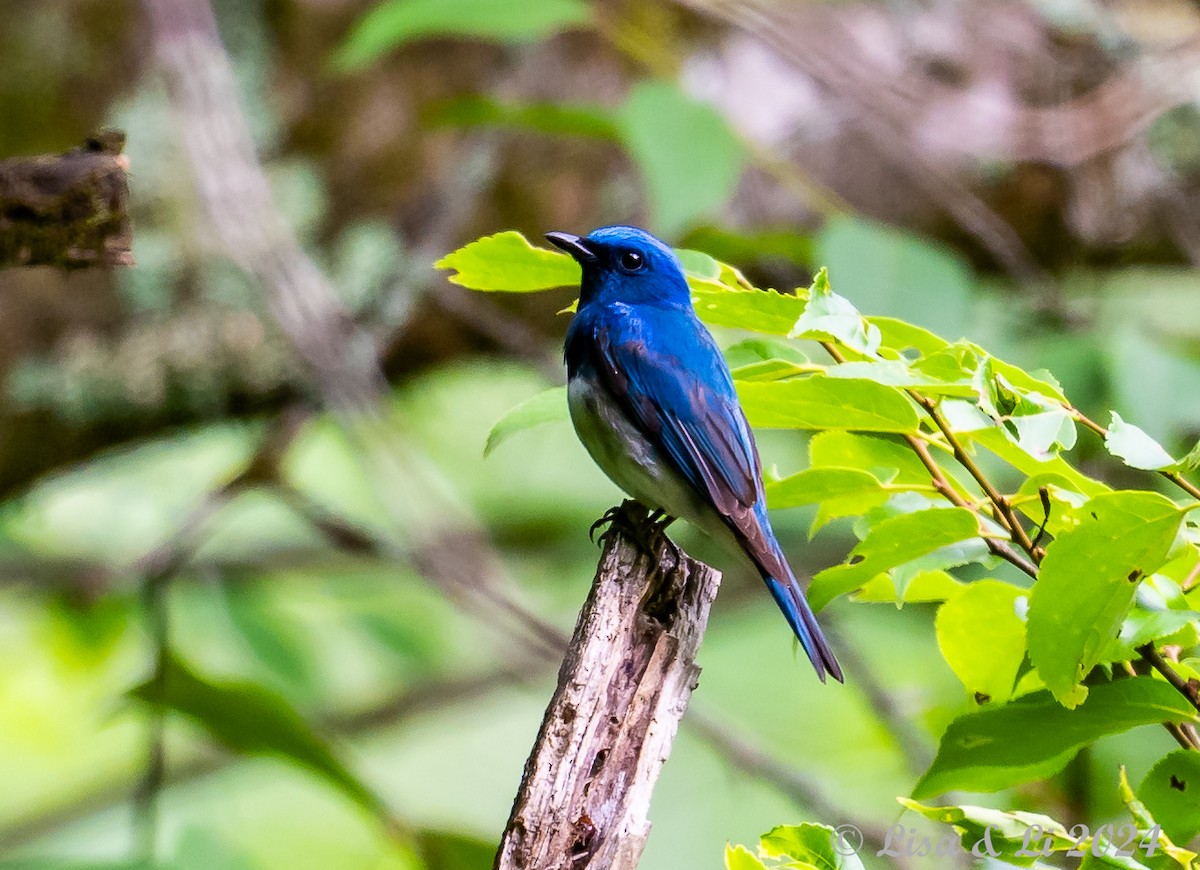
(653, 402)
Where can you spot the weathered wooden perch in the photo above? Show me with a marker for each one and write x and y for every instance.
(69, 210)
(622, 689)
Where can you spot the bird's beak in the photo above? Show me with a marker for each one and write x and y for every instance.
(574, 245)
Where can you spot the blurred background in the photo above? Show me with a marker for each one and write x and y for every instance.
(246, 476)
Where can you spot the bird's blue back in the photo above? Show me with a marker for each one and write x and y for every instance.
(636, 347)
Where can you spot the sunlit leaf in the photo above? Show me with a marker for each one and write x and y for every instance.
(808, 847)
(741, 858)
(548, 406)
(1001, 445)
(900, 335)
(924, 588)
(828, 316)
(506, 261)
(1087, 583)
(393, 23)
(1134, 447)
(854, 490)
(1143, 626)
(1148, 824)
(827, 403)
(1034, 736)
(885, 458)
(893, 542)
(759, 310)
(1171, 791)
(999, 834)
(982, 637)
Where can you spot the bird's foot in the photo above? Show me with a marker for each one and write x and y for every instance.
(647, 530)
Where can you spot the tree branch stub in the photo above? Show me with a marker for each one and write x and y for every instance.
(622, 689)
(69, 210)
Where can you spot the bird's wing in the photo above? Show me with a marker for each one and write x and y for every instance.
(686, 403)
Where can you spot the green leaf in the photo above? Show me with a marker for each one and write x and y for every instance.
(828, 316)
(1171, 792)
(883, 457)
(982, 637)
(506, 261)
(1034, 736)
(252, 720)
(753, 350)
(689, 157)
(741, 858)
(1000, 444)
(1007, 833)
(853, 490)
(1134, 447)
(925, 587)
(548, 406)
(767, 311)
(1147, 823)
(895, 373)
(1088, 580)
(593, 122)
(893, 542)
(1145, 625)
(808, 847)
(900, 335)
(818, 402)
(393, 23)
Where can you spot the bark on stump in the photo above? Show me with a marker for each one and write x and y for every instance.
(622, 690)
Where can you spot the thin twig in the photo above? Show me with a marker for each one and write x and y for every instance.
(1190, 689)
(1008, 516)
(943, 485)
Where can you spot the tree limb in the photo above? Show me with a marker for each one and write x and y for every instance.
(69, 210)
(622, 690)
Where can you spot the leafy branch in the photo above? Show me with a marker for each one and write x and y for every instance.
(1114, 569)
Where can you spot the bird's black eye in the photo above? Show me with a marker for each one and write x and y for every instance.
(632, 261)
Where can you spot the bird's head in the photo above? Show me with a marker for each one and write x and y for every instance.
(625, 264)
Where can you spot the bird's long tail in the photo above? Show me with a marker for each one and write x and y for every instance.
(791, 601)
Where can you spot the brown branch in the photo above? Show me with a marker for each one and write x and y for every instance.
(1190, 689)
(622, 690)
(1007, 515)
(69, 210)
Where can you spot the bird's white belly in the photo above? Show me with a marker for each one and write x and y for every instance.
(627, 457)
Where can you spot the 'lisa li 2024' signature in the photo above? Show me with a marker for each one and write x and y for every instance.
(1036, 843)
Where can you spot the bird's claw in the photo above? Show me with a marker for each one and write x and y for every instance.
(610, 518)
(647, 530)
